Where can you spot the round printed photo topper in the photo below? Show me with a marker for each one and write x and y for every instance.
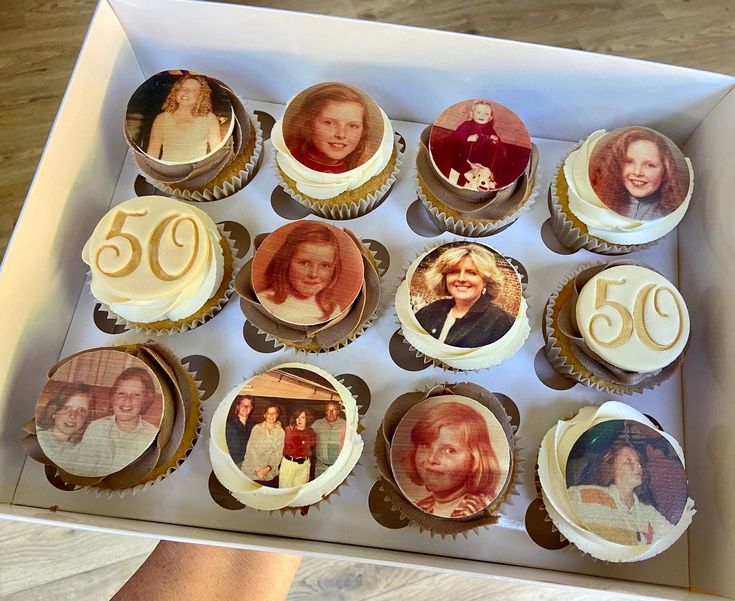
(307, 272)
(465, 294)
(178, 117)
(332, 127)
(639, 173)
(626, 482)
(450, 456)
(479, 145)
(99, 412)
(285, 427)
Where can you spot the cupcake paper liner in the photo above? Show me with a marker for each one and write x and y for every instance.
(570, 231)
(560, 353)
(452, 220)
(363, 199)
(244, 166)
(444, 527)
(213, 306)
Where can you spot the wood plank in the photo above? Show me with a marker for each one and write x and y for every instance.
(350, 581)
(100, 583)
(33, 555)
(326, 579)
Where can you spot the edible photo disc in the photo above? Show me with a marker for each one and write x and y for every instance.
(179, 117)
(307, 272)
(465, 294)
(450, 456)
(480, 145)
(332, 127)
(99, 412)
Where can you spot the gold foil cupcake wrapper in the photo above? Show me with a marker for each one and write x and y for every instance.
(213, 305)
(321, 338)
(575, 361)
(569, 230)
(351, 203)
(231, 184)
(437, 525)
(143, 473)
(423, 356)
(474, 219)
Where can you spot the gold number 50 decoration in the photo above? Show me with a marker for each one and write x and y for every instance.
(635, 322)
(136, 249)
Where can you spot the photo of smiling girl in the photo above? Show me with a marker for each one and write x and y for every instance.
(121, 437)
(450, 457)
(639, 173)
(62, 423)
(307, 272)
(332, 128)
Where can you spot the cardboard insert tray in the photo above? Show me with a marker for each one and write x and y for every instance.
(267, 56)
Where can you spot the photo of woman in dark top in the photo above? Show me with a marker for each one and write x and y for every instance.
(467, 279)
(238, 428)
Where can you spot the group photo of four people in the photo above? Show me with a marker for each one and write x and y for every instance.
(286, 429)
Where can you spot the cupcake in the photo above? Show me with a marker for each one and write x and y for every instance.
(620, 191)
(310, 286)
(476, 168)
(115, 418)
(191, 136)
(461, 306)
(614, 484)
(446, 457)
(285, 438)
(159, 265)
(618, 327)
(335, 151)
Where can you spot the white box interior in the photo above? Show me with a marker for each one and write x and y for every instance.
(267, 56)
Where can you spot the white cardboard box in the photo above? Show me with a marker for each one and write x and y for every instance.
(267, 56)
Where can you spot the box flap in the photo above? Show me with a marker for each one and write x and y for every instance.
(707, 277)
(415, 73)
(66, 199)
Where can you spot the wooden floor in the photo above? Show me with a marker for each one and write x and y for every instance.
(39, 42)
(38, 563)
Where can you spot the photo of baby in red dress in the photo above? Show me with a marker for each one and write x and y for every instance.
(479, 145)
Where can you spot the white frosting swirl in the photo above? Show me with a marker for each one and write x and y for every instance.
(328, 185)
(257, 496)
(552, 465)
(453, 356)
(601, 221)
(188, 243)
